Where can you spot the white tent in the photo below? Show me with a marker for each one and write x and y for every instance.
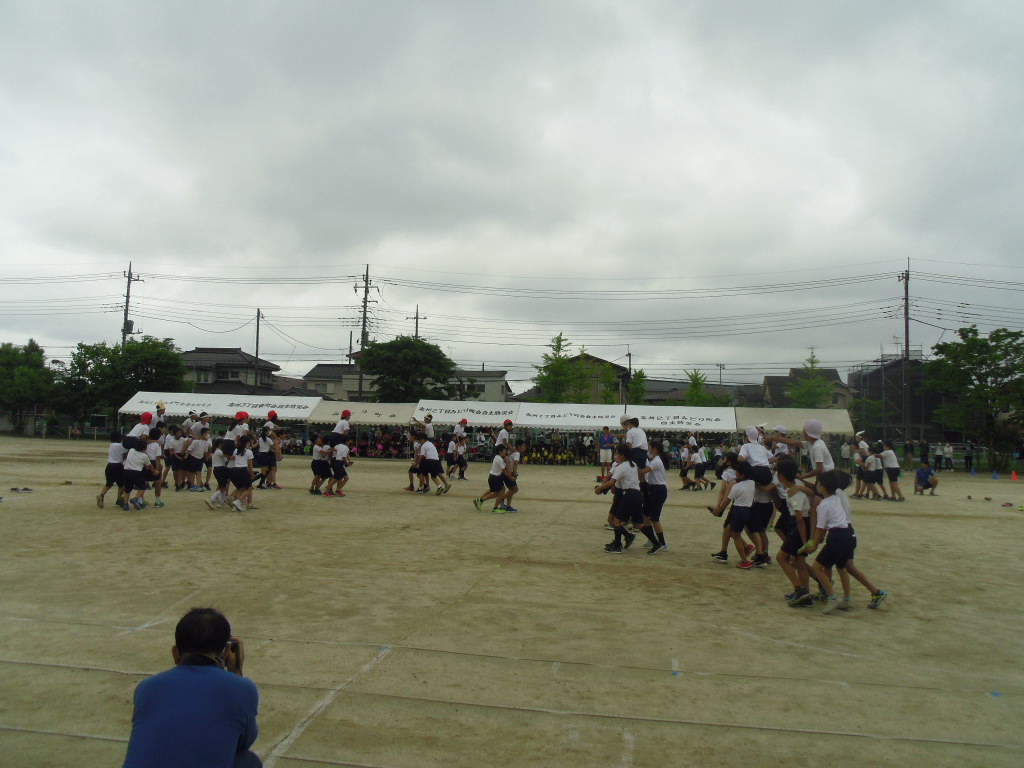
(836, 421)
(664, 418)
(369, 414)
(570, 416)
(178, 405)
(478, 414)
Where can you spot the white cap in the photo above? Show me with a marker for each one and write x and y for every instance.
(780, 429)
(625, 417)
(813, 428)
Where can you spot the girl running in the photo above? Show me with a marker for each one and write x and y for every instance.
(657, 494)
(630, 507)
(891, 465)
(320, 464)
(241, 475)
(339, 463)
(495, 481)
(197, 451)
(790, 556)
(114, 472)
(219, 467)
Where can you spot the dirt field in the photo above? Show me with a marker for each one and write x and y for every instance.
(397, 631)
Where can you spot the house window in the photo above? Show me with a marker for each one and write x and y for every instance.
(265, 379)
(320, 386)
(202, 377)
(835, 398)
(232, 374)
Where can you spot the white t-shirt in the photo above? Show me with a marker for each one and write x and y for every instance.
(691, 440)
(341, 451)
(755, 454)
(729, 475)
(136, 460)
(657, 474)
(871, 463)
(428, 429)
(452, 446)
(636, 438)
(153, 450)
(799, 503)
(742, 493)
(188, 423)
(459, 430)
(198, 448)
(864, 449)
(461, 449)
(218, 459)
(116, 453)
(265, 445)
(139, 430)
(626, 477)
(819, 454)
(197, 428)
(270, 425)
(428, 451)
(889, 459)
(341, 427)
(241, 460)
(318, 451)
(502, 438)
(497, 465)
(781, 449)
(236, 432)
(831, 513)
(174, 445)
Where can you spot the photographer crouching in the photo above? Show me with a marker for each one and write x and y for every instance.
(200, 713)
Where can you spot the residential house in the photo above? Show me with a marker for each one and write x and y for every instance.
(340, 381)
(774, 388)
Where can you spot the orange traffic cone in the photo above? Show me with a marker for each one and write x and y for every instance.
(1013, 475)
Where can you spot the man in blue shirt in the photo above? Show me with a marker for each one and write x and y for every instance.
(200, 713)
(925, 478)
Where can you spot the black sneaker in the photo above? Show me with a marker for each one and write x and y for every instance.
(801, 600)
(713, 486)
(317, 492)
(656, 548)
(720, 557)
(630, 538)
(762, 561)
(613, 549)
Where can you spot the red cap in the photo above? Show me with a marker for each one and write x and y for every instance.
(508, 421)
(146, 418)
(272, 415)
(241, 416)
(464, 421)
(346, 414)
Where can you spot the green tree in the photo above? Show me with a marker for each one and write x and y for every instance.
(608, 384)
(697, 394)
(811, 389)
(26, 382)
(581, 378)
(408, 369)
(557, 372)
(100, 378)
(983, 376)
(638, 387)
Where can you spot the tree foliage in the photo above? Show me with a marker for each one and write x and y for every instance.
(811, 389)
(100, 378)
(608, 384)
(697, 394)
(25, 381)
(408, 369)
(638, 387)
(984, 379)
(558, 374)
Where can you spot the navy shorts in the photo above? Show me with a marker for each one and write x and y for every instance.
(839, 547)
(133, 480)
(638, 456)
(338, 468)
(113, 474)
(893, 473)
(760, 514)
(791, 546)
(192, 464)
(220, 474)
(320, 467)
(630, 507)
(432, 467)
(698, 471)
(656, 497)
(496, 483)
(241, 478)
(739, 518)
(761, 475)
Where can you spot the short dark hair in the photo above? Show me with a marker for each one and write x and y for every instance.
(788, 469)
(202, 630)
(833, 480)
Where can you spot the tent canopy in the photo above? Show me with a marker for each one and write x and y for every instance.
(369, 414)
(568, 416)
(478, 414)
(836, 421)
(222, 406)
(680, 417)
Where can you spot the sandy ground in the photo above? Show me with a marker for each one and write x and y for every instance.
(397, 631)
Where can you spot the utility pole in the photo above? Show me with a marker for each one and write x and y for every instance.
(905, 279)
(417, 318)
(256, 370)
(721, 367)
(127, 327)
(364, 337)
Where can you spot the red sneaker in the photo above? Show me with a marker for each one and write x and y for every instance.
(745, 565)
(750, 548)
(327, 493)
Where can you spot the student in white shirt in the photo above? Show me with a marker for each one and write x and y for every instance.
(426, 426)
(891, 466)
(155, 453)
(756, 457)
(320, 464)
(140, 430)
(657, 495)
(511, 476)
(197, 452)
(503, 436)
(460, 428)
(136, 462)
(495, 481)
(429, 464)
(339, 468)
(451, 455)
(240, 466)
(219, 463)
(834, 526)
(266, 459)
(728, 481)
(630, 506)
(790, 556)
(741, 494)
(460, 456)
(113, 474)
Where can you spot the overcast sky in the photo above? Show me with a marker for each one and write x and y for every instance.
(693, 182)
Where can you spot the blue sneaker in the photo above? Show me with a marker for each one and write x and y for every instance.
(877, 598)
(507, 508)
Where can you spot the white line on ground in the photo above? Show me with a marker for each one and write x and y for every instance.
(325, 701)
(162, 616)
(555, 666)
(628, 748)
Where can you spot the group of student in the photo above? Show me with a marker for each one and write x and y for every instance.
(813, 507)
(155, 454)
